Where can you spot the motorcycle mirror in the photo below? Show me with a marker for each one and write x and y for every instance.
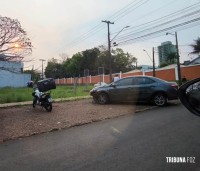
(189, 95)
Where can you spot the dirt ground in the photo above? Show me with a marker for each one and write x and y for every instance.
(22, 121)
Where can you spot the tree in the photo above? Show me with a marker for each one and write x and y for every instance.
(83, 60)
(196, 46)
(103, 60)
(74, 65)
(163, 64)
(122, 61)
(35, 76)
(64, 57)
(172, 58)
(90, 60)
(55, 69)
(14, 43)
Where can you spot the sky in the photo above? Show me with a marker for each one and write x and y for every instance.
(69, 27)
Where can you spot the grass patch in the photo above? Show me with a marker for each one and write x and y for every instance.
(9, 94)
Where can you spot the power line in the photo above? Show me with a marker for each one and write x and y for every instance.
(145, 15)
(99, 27)
(156, 27)
(129, 10)
(126, 10)
(180, 15)
(151, 12)
(164, 18)
(158, 32)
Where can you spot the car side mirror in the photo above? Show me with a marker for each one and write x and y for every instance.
(189, 95)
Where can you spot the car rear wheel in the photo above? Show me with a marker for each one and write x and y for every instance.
(160, 99)
(103, 98)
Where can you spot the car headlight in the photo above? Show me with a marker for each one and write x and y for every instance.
(93, 90)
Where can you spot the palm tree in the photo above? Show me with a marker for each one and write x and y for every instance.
(196, 46)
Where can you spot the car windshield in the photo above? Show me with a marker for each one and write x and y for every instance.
(93, 84)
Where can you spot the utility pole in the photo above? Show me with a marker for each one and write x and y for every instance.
(153, 61)
(109, 49)
(178, 59)
(42, 68)
(154, 72)
(32, 72)
(178, 62)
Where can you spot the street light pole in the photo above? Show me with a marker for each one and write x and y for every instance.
(42, 67)
(119, 32)
(153, 61)
(178, 59)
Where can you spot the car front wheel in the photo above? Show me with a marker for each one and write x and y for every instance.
(160, 99)
(95, 99)
(103, 98)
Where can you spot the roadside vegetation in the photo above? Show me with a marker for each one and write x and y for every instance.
(9, 95)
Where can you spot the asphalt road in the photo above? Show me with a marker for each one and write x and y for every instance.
(141, 141)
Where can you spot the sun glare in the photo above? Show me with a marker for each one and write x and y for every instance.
(16, 45)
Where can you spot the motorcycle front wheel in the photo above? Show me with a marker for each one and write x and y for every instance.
(48, 107)
(34, 101)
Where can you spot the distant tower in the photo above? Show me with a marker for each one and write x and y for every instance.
(164, 50)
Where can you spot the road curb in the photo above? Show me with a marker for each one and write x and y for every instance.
(6, 105)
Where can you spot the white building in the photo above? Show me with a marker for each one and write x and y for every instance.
(164, 50)
(11, 74)
(195, 61)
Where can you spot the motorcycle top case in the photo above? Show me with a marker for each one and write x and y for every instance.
(46, 84)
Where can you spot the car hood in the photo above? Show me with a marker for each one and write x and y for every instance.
(100, 87)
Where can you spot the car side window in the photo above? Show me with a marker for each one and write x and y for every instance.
(124, 82)
(149, 81)
(140, 80)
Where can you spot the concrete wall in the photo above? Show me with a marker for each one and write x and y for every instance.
(11, 66)
(10, 79)
(11, 76)
(189, 72)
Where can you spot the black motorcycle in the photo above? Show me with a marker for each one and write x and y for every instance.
(44, 100)
(41, 96)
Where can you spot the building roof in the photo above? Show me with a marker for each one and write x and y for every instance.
(133, 71)
(194, 61)
(157, 69)
(4, 57)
